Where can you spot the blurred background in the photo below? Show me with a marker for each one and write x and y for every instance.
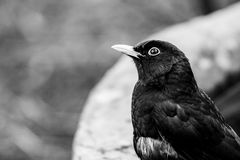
(53, 52)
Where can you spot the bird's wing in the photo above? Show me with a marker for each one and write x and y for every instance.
(196, 130)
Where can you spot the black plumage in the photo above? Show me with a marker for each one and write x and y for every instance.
(172, 118)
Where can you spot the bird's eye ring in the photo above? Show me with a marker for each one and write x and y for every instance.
(154, 51)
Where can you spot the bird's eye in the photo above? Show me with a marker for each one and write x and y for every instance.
(154, 51)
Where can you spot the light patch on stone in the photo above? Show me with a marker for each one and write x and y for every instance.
(223, 60)
(105, 95)
(205, 63)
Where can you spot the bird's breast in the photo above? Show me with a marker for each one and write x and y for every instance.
(143, 123)
(143, 102)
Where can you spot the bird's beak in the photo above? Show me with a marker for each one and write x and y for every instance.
(126, 49)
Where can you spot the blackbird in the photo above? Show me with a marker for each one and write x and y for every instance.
(172, 118)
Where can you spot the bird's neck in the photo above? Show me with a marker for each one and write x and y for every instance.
(176, 82)
(180, 80)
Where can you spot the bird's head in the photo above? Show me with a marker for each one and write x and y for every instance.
(153, 58)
